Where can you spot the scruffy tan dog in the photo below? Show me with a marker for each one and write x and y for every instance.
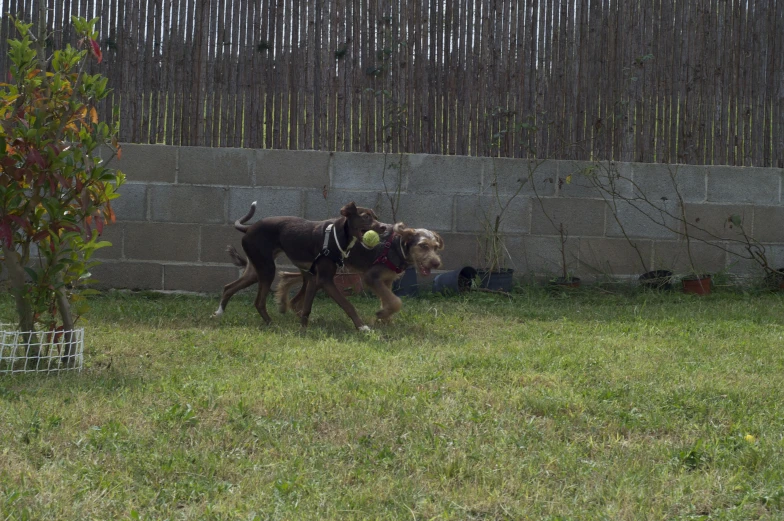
(380, 266)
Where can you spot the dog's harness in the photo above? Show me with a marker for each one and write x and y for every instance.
(335, 256)
(383, 258)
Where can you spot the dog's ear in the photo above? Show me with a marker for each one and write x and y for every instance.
(408, 236)
(349, 209)
(439, 240)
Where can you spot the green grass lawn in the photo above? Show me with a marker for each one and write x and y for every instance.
(585, 406)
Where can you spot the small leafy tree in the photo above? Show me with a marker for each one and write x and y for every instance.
(55, 191)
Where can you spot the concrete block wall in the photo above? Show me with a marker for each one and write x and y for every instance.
(176, 210)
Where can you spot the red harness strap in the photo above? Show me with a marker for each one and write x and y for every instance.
(384, 257)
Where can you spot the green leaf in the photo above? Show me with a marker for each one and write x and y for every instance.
(33, 274)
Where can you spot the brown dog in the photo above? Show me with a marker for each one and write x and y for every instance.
(317, 247)
(380, 265)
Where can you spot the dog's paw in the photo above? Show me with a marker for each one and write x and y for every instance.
(365, 329)
(218, 313)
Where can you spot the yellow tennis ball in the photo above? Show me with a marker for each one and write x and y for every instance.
(371, 238)
(750, 438)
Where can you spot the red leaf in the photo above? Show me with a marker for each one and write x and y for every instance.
(34, 156)
(96, 50)
(22, 223)
(63, 181)
(6, 235)
(99, 224)
(40, 235)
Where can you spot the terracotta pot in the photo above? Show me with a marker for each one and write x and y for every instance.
(697, 284)
(569, 282)
(349, 283)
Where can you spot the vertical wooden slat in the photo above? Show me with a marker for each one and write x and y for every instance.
(339, 53)
(234, 11)
(462, 50)
(265, 48)
(214, 84)
(324, 74)
(778, 95)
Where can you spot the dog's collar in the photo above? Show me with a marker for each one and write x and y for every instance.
(383, 258)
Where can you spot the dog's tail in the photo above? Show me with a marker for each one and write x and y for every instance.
(240, 223)
(237, 259)
(288, 280)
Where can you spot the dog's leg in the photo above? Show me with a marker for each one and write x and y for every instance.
(248, 278)
(287, 281)
(296, 302)
(307, 303)
(390, 303)
(340, 298)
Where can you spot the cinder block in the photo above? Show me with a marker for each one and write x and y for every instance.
(657, 182)
(203, 279)
(128, 275)
(674, 256)
(542, 256)
(187, 204)
(768, 225)
(728, 184)
(710, 222)
(478, 213)
(114, 234)
(214, 241)
(161, 241)
(300, 168)
(445, 174)
(460, 250)
(269, 202)
(317, 208)
(147, 163)
(367, 172)
(222, 166)
(535, 176)
(132, 203)
(637, 218)
(594, 179)
(433, 212)
(615, 257)
(580, 217)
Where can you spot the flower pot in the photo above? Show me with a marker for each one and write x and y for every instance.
(454, 281)
(349, 283)
(407, 285)
(501, 280)
(697, 284)
(40, 351)
(774, 280)
(566, 283)
(657, 280)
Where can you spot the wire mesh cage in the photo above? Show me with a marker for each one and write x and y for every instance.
(40, 351)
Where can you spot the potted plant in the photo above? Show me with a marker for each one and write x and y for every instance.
(566, 280)
(494, 274)
(605, 179)
(54, 191)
